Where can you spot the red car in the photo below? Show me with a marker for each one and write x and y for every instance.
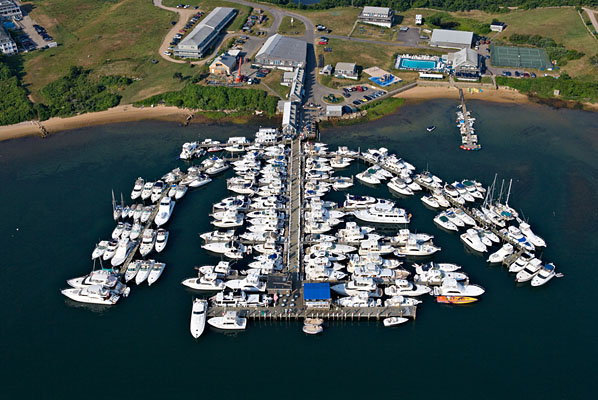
(323, 42)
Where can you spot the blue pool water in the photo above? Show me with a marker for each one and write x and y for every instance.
(418, 64)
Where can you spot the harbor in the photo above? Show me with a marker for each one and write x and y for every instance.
(293, 262)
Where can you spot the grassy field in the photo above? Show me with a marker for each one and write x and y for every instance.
(374, 32)
(296, 28)
(339, 20)
(273, 80)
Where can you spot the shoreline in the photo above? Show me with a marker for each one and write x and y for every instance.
(128, 113)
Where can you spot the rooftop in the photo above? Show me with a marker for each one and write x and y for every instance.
(206, 28)
(316, 291)
(216, 17)
(345, 66)
(367, 10)
(284, 47)
(226, 59)
(445, 35)
(4, 36)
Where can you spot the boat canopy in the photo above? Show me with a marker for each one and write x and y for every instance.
(316, 291)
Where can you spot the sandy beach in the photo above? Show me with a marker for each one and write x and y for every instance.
(431, 92)
(123, 113)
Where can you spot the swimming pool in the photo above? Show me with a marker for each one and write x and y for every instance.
(418, 64)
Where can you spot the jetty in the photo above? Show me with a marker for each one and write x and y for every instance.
(469, 140)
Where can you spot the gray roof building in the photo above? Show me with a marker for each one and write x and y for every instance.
(346, 70)
(465, 64)
(7, 45)
(282, 52)
(9, 9)
(451, 39)
(199, 41)
(381, 16)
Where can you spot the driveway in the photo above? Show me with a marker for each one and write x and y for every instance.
(185, 15)
(592, 17)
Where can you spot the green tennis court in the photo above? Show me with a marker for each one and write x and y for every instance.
(519, 57)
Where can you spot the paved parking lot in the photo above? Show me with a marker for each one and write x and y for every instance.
(27, 26)
(409, 38)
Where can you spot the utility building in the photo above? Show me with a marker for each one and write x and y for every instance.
(223, 65)
(282, 52)
(198, 43)
(451, 39)
(7, 45)
(9, 10)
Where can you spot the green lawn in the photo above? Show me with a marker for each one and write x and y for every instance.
(374, 32)
(273, 80)
(291, 26)
(340, 20)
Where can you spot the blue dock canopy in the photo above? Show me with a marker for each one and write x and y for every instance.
(316, 291)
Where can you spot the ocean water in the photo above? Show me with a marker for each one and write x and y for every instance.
(517, 341)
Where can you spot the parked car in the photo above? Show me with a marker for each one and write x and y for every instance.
(347, 95)
(506, 73)
(260, 75)
(517, 74)
(357, 102)
(532, 74)
(168, 53)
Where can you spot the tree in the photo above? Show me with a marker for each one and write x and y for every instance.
(177, 75)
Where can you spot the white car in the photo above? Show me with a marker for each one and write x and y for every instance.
(168, 53)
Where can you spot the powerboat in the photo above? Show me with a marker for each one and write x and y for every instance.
(122, 251)
(358, 285)
(401, 301)
(402, 287)
(472, 239)
(394, 321)
(516, 235)
(136, 230)
(536, 240)
(147, 242)
(94, 294)
(455, 299)
(415, 249)
(146, 214)
(249, 284)
(157, 190)
(520, 263)
(502, 253)
(188, 150)
(430, 201)
(161, 239)
(451, 287)
(218, 236)
(353, 202)
(118, 230)
(164, 211)
(199, 180)
(99, 249)
(110, 250)
(229, 321)
(137, 188)
(144, 271)
(443, 221)
(311, 329)
(104, 277)
(146, 192)
(205, 282)
(358, 300)
(132, 270)
(155, 272)
(228, 219)
(179, 191)
(463, 216)
(397, 185)
(198, 317)
(529, 271)
(454, 219)
(218, 166)
(383, 213)
(547, 272)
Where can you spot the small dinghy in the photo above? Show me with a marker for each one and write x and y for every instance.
(312, 329)
(430, 128)
(394, 321)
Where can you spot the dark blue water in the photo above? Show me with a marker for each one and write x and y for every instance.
(516, 342)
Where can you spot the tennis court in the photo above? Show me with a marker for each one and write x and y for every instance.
(519, 57)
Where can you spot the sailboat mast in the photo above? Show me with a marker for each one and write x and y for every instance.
(509, 193)
(113, 201)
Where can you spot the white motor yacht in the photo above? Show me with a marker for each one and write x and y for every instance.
(357, 285)
(472, 239)
(118, 230)
(96, 277)
(110, 250)
(358, 300)
(451, 287)
(146, 192)
(199, 181)
(126, 233)
(188, 150)
(547, 272)
(136, 230)
(502, 253)
(402, 287)
(415, 249)
(179, 191)
(122, 251)
(94, 294)
(161, 239)
(443, 221)
(157, 190)
(198, 317)
(137, 212)
(146, 214)
(368, 177)
(147, 242)
(383, 213)
(218, 236)
(353, 202)
(144, 271)
(341, 182)
(164, 211)
(536, 240)
(99, 249)
(430, 201)
(155, 272)
(250, 284)
(401, 301)
(397, 185)
(136, 193)
(132, 270)
(454, 219)
(463, 216)
(520, 263)
(205, 282)
(515, 234)
(230, 321)
(531, 269)
(218, 166)
(229, 219)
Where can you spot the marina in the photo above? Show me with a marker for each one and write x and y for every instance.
(301, 269)
(469, 139)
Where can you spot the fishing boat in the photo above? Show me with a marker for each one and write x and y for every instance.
(455, 299)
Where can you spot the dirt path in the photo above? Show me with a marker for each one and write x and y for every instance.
(184, 15)
(592, 18)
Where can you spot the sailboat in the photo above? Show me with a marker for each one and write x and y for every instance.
(116, 209)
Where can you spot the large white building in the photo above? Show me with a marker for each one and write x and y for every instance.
(8, 10)
(381, 16)
(465, 64)
(198, 43)
(282, 52)
(451, 39)
(7, 45)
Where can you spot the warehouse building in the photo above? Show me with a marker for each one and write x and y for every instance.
(282, 52)
(381, 16)
(451, 39)
(223, 65)
(7, 45)
(200, 40)
(9, 10)
(465, 64)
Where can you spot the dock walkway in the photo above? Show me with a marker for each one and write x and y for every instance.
(469, 140)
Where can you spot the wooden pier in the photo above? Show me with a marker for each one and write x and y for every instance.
(469, 140)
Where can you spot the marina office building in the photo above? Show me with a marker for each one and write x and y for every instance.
(381, 16)
(282, 52)
(7, 45)
(465, 64)
(451, 39)
(200, 40)
(8, 10)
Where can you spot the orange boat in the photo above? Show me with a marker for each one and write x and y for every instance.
(455, 299)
